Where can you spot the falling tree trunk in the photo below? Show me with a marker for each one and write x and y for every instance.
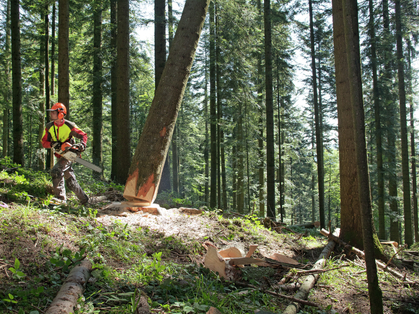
(63, 55)
(114, 128)
(123, 153)
(213, 110)
(351, 37)
(146, 168)
(319, 145)
(97, 86)
(7, 87)
(378, 132)
(270, 144)
(18, 154)
(408, 235)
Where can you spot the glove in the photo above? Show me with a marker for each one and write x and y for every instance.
(80, 147)
(56, 145)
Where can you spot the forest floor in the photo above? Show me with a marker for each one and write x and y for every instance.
(161, 256)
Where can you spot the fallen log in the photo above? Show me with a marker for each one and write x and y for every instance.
(311, 279)
(309, 225)
(71, 290)
(362, 255)
(295, 299)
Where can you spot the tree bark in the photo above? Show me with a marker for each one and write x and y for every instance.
(71, 290)
(378, 131)
(408, 234)
(123, 153)
(97, 86)
(351, 226)
(63, 55)
(413, 150)
(18, 153)
(114, 111)
(319, 144)
(160, 61)
(43, 92)
(270, 142)
(213, 110)
(145, 171)
(350, 14)
(391, 128)
(7, 88)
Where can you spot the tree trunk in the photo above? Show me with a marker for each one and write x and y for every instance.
(213, 110)
(160, 60)
(97, 87)
(408, 234)
(63, 55)
(391, 129)
(413, 150)
(7, 88)
(50, 154)
(378, 131)
(43, 78)
(319, 144)
(18, 153)
(270, 144)
(114, 111)
(261, 172)
(351, 226)
(175, 138)
(123, 153)
(145, 171)
(350, 14)
(240, 161)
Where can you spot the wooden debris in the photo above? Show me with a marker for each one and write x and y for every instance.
(294, 299)
(213, 261)
(71, 290)
(190, 211)
(213, 310)
(221, 261)
(362, 255)
(309, 225)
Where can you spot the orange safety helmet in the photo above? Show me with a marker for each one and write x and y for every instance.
(62, 110)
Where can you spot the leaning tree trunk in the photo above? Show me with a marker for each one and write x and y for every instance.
(150, 154)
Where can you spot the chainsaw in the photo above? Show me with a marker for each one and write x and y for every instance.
(71, 153)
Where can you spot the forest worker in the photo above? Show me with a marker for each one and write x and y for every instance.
(57, 132)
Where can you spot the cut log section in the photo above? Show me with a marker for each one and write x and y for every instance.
(71, 290)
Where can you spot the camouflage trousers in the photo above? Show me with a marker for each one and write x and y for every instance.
(63, 173)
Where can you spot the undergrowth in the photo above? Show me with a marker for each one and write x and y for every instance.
(40, 244)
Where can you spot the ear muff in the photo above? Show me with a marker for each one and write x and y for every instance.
(60, 115)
